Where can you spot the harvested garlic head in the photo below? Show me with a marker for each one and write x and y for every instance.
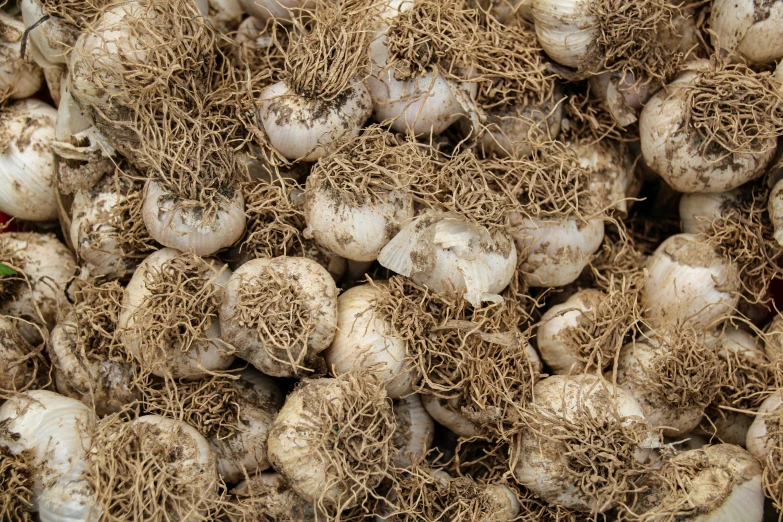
(611, 170)
(46, 437)
(691, 146)
(280, 314)
(715, 483)
(358, 197)
(333, 440)
(50, 38)
(152, 463)
(773, 339)
(698, 211)
(278, 10)
(415, 430)
(687, 283)
(43, 267)
(234, 413)
(450, 253)
(764, 441)
(87, 363)
(270, 494)
(26, 162)
(580, 426)
(621, 94)
(169, 320)
(186, 224)
(20, 77)
(673, 376)
(19, 363)
(748, 29)
(368, 338)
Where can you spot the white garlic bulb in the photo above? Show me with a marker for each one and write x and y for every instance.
(699, 210)
(366, 340)
(555, 251)
(674, 150)
(622, 95)
(564, 30)
(55, 430)
(270, 493)
(26, 162)
(277, 10)
(543, 466)
(747, 29)
(507, 505)
(760, 441)
(687, 283)
(17, 367)
(611, 172)
(36, 296)
(49, 39)
(279, 314)
(225, 15)
(448, 253)
(773, 338)
(161, 347)
(20, 77)
(183, 224)
(415, 430)
(306, 129)
(775, 210)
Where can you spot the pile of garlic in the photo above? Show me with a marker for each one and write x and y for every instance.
(407, 260)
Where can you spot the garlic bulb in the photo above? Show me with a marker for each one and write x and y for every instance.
(555, 251)
(55, 431)
(444, 412)
(505, 500)
(676, 150)
(698, 211)
(322, 448)
(279, 314)
(19, 76)
(509, 126)
(555, 458)
(773, 338)
(366, 340)
(775, 209)
(415, 430)
(169, 320)
(622, 95)
(611, 172)
(49, 38)
(45, 266)
(269, 493)
(713, 484)
(277, 10)
(225, 15)
(687, 283)
(762, 437)
(18, 367)
(26, 163)
(449, 253)
(747, 29)
(183, 224)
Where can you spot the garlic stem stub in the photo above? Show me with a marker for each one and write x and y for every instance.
(169, 321)
(280, 314)
(26, 163)
(20, 77)
(748, 30)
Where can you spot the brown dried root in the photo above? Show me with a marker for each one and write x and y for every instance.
(78, 13)
(135, 470)
(734, 108)
(533, 509)
(484, 460)
(23, 365)
(268, 498)
(96, 312)
(585, 117)
(274, 222)
(260, 49)
(16, 476)
(325, 59)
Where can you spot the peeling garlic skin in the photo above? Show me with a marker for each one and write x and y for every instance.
(557, 250)
(26, 164)
(440, 410)
(306, 129)
(758, 442)
(279, 10)
(688, 284)
(674, 151)
(20, 77)
(698, 211)
(186, 228)
(415, 430)
(748, 29)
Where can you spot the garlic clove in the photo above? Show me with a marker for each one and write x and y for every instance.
(508, 506)
(185, 225)
(445, 415)
(278, 10)
(304, 129)
(622, 95)
(745, 29)
(26, 163)
(415, 430)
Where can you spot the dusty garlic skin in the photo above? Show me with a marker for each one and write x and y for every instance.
(45, 267)
(280, 314)
(415, 430)
(611, 171)
(622, 95)
(165, 356)
(555, 251)
(51, 40)
(280, 10)
(17, 367)
(688, 284)
(26, 165)
(674, 150)
(748, 29)
(447, 252)
(306, 129)
(543, 465)
(716, 483)
(271, 494)
(699, 210)
(20, 77)
(55, 430)
(365, 340)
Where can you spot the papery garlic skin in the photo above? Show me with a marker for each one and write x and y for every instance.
(279, 10)
(54, 428)
(16, 369)
(759, 442)
(622, 95)
(558, 352)
(51, 40)
(200, 359)
(748, 29)
(446, 252)
(698, 211)
(444, 412)
(557, 250)
(564, 30)
(49, 266)
(280, 502)
(687, 283)
(187, 228)
(611, 172)
(26, 162)
(424, 105)
(318, 297)
(775, 209)
(415, 430)
(674, 150)
(20, 77)
(307, 129)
